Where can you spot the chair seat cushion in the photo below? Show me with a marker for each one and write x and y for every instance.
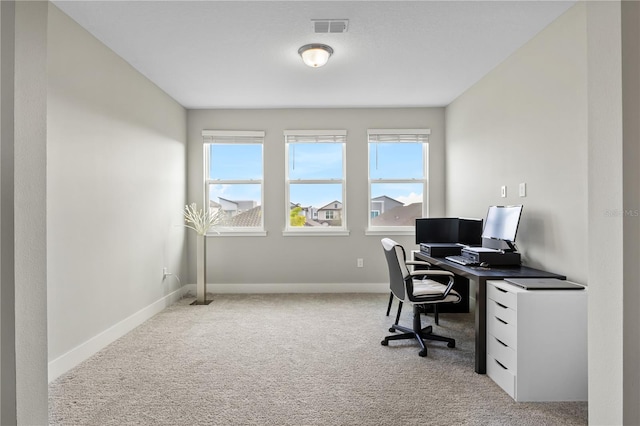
(427, 288)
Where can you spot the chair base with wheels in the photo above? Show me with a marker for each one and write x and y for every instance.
(436, 315)
(418, 333)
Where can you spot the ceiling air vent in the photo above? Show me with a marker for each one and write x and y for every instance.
(324, 26)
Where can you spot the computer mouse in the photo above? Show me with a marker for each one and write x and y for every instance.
(484, 264)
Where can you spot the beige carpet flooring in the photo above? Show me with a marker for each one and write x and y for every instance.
(289, 359)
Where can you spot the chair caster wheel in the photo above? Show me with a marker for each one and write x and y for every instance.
(423, 353)
(384, 343)
(392, 330)
(451, 345)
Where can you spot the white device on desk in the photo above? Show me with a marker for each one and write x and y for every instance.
(471, 256)
(537, 339)
(491, 256)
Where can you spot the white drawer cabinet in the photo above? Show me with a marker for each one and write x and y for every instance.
(537, 342)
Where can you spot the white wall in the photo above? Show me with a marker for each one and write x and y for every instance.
(116, 188)
(30, 163)
(565, 107)
(605, 229)
(307, 260)
(526, 121)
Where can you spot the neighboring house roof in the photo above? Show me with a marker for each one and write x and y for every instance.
(251, 217)
(227, 200)
(399, 216)
(331, 204)
(380, 198)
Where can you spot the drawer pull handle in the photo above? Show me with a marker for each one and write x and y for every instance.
(500, 364)
(502, 321)
(501, 305)
(501, 290)
(501, 342)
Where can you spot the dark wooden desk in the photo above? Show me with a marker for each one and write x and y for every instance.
(479, 276)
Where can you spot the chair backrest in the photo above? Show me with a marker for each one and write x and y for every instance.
(398, 271)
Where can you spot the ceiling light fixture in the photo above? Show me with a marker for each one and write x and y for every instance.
(315, 55)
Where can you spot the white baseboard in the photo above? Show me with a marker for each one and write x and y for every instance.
(293, 288)
(75, 356)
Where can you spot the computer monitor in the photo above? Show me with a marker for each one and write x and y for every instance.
(470, 231)
(502, 224)
(449, 230)
(437, 230)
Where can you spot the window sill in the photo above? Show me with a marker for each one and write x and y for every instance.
(238, 233)
(320, 233)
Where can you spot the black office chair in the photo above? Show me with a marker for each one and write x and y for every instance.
(415, 288)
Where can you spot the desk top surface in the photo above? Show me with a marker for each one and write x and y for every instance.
(497, 272)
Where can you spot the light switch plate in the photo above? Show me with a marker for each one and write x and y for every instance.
(503, 191)
(522, 190)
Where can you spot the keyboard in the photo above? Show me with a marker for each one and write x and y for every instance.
(462, 260)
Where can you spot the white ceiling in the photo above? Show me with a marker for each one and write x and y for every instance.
(243, 54)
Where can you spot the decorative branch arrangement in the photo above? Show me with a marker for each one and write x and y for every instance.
(202, 221)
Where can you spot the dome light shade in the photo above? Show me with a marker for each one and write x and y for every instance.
(315, 55)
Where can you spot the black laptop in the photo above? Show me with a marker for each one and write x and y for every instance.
(544, 284)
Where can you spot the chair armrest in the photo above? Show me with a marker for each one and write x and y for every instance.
(413, 264)
(417, 263)
(433, 272)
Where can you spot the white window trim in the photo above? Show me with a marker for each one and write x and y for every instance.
(288, 230)
(398, 230)
(232, 134)
(237, 232)
(243, 137)
(412, 132)
(321, 232)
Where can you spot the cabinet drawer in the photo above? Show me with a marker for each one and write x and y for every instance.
(499, 310)
(501, 296)
(502, 353)
(506, 333)
(502, 376)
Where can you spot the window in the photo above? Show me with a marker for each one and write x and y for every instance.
(315, 182)
(398, 163)
(233, 164)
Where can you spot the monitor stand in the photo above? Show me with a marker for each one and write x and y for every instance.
(512, 247)
(505, 246)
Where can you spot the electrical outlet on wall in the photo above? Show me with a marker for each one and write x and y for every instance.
(522, 191)
(360, 263)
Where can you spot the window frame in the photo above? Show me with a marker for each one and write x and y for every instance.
(316, 136)
(240, 137)
(400, 136)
